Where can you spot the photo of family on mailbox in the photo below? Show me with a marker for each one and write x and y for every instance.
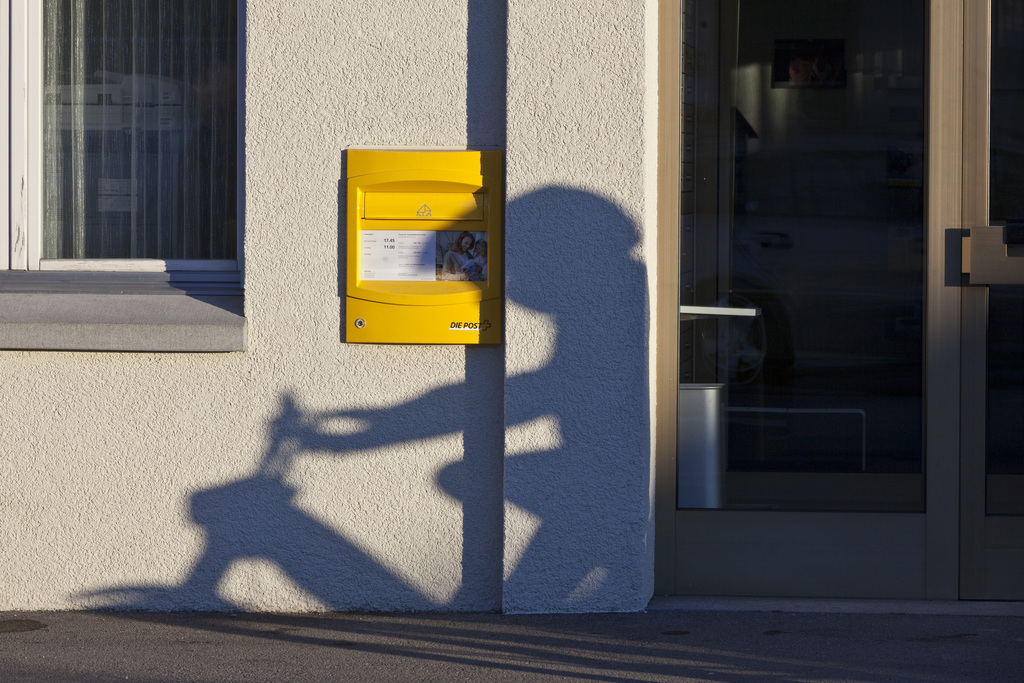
(462, 255)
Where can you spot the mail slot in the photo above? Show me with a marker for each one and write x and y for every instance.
(425, 206)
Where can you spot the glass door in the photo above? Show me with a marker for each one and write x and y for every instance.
(992, 486)
(821, 227)
(816, 320)
(851, 325)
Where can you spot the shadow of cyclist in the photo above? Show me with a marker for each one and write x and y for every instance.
(574, 515)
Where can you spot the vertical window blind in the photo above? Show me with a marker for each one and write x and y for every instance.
(140, 129)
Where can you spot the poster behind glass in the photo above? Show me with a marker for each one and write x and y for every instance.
(423, 255)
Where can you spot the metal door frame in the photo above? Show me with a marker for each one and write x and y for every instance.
(931, 539)
(992, 547)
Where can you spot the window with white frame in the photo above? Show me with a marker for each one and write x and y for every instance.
(124, 135)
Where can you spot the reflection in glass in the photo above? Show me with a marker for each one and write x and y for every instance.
(1005, 395)
(826, 238)
(140, 129)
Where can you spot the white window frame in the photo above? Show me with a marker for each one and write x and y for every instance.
(21, 42)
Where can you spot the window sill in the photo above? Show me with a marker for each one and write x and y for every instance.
(171, 322)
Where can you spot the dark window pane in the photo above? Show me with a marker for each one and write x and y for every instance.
(818, 187)
(1005, 399)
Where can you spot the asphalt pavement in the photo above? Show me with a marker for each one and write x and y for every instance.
(675, 639)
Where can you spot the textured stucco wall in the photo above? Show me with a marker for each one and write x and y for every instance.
(185, 480)
(578, 524)
(306, 473)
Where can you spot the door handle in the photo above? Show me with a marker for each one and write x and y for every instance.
(699, 312)
(994, 254)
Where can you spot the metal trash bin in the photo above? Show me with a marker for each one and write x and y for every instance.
(700, 459)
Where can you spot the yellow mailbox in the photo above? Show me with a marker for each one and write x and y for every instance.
(424, 247)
